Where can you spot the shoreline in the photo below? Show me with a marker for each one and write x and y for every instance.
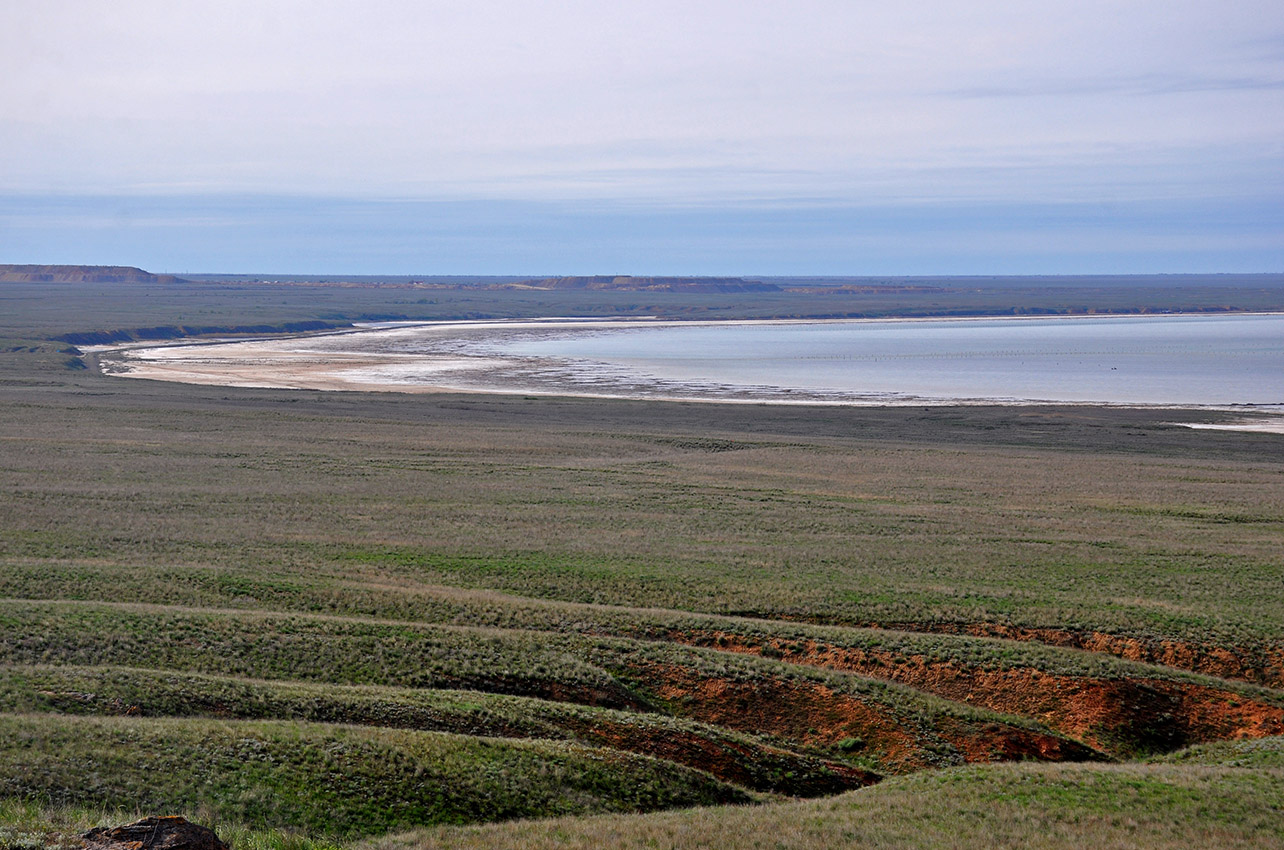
(318, 361)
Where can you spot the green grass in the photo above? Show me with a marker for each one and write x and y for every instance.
(741, 759)
(416, 603)
(1254, 753)
(30, 825)
(1010, 806)
(1164, 807)
(342, 780)
(309, 648)
(820, 528)
(348, 651)
(595, 670)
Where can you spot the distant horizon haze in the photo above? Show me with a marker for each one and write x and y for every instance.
(237, 235)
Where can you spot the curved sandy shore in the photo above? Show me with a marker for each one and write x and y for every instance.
(446, 357)
(460, 357)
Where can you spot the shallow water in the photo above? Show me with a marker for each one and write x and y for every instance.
(1181, 360)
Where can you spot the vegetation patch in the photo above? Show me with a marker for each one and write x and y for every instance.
(739, 759)
(1250, 753)
(343, 780)
(1052, 807)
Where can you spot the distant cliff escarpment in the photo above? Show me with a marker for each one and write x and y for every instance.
(627, 283)
(81, 274)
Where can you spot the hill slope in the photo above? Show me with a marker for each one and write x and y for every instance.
(10, 273)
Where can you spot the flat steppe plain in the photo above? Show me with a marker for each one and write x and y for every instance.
(316, 618)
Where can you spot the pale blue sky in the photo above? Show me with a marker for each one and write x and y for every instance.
(647, 137)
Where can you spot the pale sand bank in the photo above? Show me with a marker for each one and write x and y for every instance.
(376, 357)
(274, 365)
(1273, 425)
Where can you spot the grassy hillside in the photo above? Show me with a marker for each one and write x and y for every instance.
(334, 779)
(1013, 806)
(354, 614)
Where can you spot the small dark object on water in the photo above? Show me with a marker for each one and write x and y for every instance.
(153, 833)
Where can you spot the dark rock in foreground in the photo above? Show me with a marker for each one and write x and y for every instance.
(154, 833)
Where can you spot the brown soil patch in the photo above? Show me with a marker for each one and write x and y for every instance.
(1257, 665)
(811, 713)
(1120, 716)
(994, 742)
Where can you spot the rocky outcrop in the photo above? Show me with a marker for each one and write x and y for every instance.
(154, 833)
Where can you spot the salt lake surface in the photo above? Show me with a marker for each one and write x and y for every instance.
(1201, 360)
(1181, 360)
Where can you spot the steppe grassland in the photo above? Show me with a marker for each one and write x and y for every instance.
(1215, 804)
(1008, 806)
(294, 545)
(821, 528)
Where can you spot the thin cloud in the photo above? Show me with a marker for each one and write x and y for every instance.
(722, 104)
(1154, 84)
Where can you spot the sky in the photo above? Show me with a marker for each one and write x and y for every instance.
(805, 137)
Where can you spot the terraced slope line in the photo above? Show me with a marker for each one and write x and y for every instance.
(739, 759)
(815, 714)
(901, 728)
(1122, 707)
(1260, 663)
(340, 780)
(1124, 711)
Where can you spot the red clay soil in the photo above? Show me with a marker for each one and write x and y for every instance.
(1119, 716)
(993, 742)
(1261, 666)
(811, 713)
